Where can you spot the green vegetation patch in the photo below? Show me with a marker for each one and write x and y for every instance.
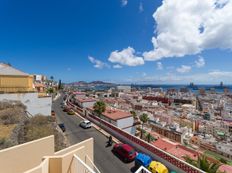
(218, 157)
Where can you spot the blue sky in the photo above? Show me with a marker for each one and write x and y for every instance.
(112, 40)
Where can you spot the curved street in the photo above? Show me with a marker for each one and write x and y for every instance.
(104, 159)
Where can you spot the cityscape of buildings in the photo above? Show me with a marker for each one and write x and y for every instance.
(179, 122)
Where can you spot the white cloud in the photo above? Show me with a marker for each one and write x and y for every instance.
(144, 74)
(220, 74)
(97, 63)
(124, 2)
(126, 57)
(141, 9)
(189, 27)
(117, 66)
(184, 69)
(159, 65)
(170, 78)
(200, 62)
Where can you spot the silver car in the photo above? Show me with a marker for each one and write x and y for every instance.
(85, 124)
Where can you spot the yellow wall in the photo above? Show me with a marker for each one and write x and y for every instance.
(42, 168)
(16, 83)
(26, 156)
(38, 157)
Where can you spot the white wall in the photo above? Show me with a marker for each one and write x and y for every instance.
(126, 124)
(88, 104)
(130, 130)
(34, 104)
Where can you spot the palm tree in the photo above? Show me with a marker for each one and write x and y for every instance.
(51, 77)
(99, 107)
(144, 118)
(204, 164)
(133, 113)
(149, 137)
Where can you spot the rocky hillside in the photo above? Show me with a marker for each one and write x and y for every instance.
(16, 127)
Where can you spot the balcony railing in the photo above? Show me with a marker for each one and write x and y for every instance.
(142, 170)
(83, 167)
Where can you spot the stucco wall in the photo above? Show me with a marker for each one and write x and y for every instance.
(16, 83)
(42, 168)
(126, 124)
(63, 161)
(25, 156)
(35, 105)
(88, 104)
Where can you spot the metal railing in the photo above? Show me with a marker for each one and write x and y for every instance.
(83, 167)
(142, 170)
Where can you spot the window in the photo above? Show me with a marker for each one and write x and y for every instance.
(131, 152)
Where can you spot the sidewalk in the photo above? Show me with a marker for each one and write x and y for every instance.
(101, 130)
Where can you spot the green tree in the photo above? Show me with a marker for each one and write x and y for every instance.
(148, 137)
(204, 164)
(59, 85)
(99, 107)
(144, 118)
(50, 90)
(223, 160)
(133, 113)
(52, 78)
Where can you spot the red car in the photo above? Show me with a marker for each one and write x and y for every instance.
(125, 151)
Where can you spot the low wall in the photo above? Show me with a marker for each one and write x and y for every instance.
(35, 104)
(169, 160)
(26, 156)
(64, 158)
(42, 168)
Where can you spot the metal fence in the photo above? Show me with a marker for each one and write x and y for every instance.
(142, 170)
(83, 167)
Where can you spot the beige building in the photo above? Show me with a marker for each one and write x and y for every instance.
(39, 157)
(14, 81)
(18, 86)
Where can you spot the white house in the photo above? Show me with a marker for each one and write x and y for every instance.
(119, 118)
(85, 102)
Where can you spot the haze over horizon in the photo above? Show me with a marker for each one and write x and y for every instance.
(120, 41)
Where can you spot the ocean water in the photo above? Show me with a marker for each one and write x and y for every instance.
(194, 89)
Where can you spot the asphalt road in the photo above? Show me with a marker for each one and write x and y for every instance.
(104, 159)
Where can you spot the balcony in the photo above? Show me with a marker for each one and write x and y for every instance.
(26, 158)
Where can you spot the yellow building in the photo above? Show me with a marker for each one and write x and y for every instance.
(14, 81)
(39, 157)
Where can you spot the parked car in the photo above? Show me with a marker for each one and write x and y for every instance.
(157, 167)
(85, 124)
(71, 112)
(124, 151)
(66, 109)
(142, 160)
(61, 125)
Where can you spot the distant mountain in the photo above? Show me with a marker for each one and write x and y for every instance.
(99, 83)
(80, 83)
(93, 83)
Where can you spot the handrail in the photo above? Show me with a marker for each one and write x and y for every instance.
(84, 164)
(92, 163)
(142, 169)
